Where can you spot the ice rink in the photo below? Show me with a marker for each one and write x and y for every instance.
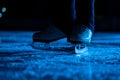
(19, 61)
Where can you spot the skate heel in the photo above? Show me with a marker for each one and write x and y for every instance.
(80, 48)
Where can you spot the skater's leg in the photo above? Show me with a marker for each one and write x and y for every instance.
(85, 13)
(84, 25)
(84, 22)
(62, 15)
(59, 15)
(51, 33)
(77, 23)
(76, 19)
(73, 17)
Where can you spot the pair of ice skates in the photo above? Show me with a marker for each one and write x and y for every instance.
(79, 39)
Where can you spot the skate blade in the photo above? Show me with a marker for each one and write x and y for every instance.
(53, 46)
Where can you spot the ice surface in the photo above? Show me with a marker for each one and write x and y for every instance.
(19, 61)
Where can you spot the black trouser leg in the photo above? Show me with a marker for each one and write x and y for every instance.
(61, 14)
(85, 13)
(68, 13)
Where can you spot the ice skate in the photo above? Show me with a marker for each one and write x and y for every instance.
(81, 37)
(48, 35)
(51, 39)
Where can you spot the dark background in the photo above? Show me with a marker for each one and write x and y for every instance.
(28, 15)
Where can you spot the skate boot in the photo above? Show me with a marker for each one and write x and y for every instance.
(48, 35)
(81, 37)
(47, 39)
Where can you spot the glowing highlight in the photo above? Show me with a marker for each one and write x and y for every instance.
(4, 9)
(1, 15)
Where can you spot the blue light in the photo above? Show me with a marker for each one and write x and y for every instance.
(4, 9)
(1, 15)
